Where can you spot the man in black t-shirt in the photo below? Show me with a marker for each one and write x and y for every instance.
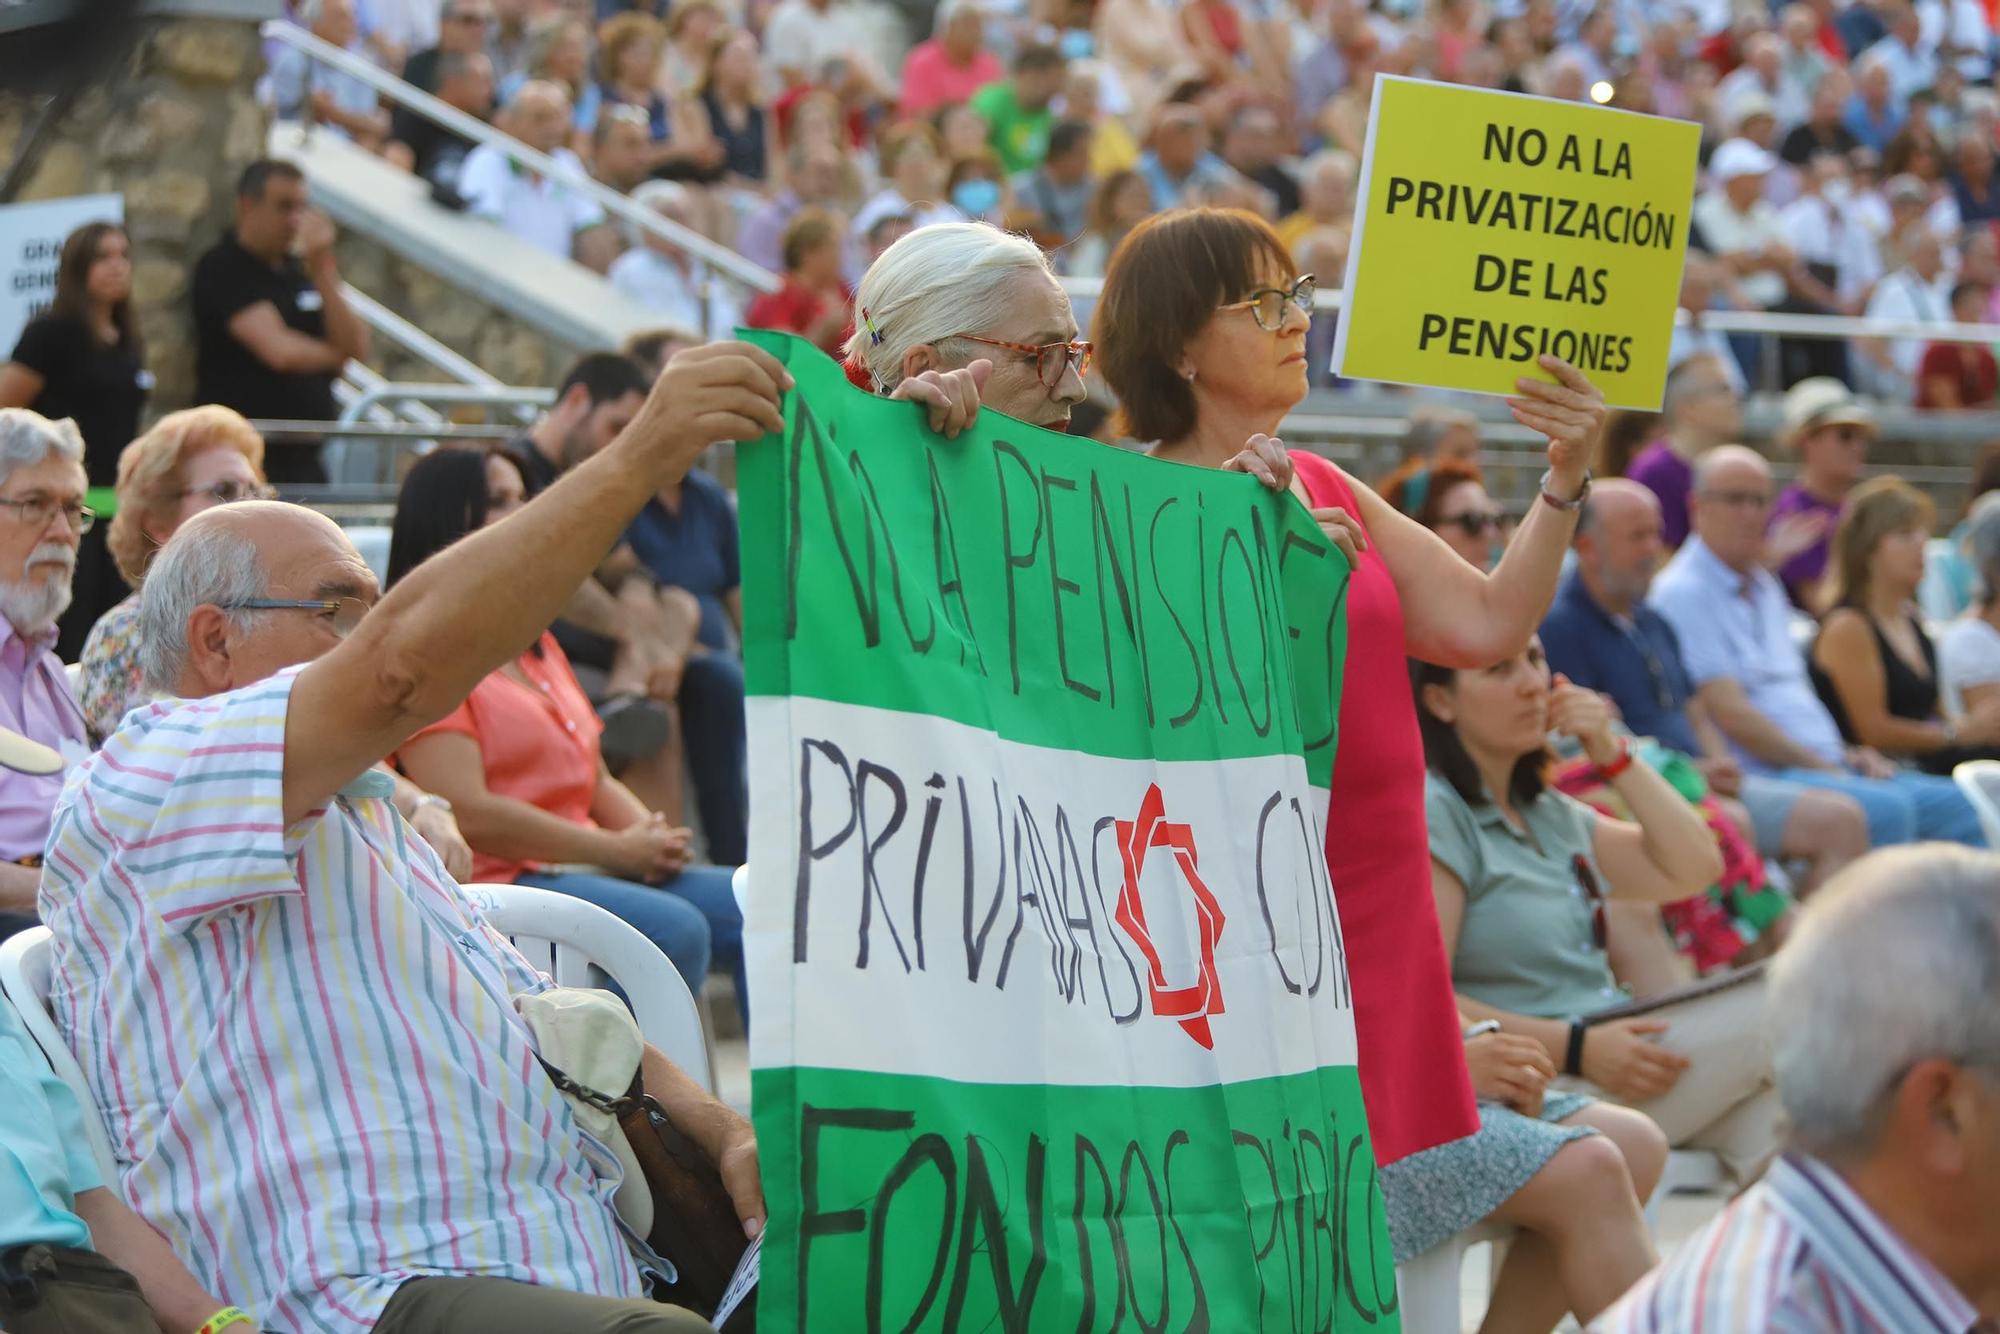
(463, 29)
(272, 327)
(420, 145)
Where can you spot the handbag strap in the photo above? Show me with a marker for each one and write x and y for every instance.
(616, 1107)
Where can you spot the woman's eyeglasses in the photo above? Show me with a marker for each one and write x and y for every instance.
(1267, 304)
(1593, 893)
(1474, 523)
(229, 491)
(1051, 359)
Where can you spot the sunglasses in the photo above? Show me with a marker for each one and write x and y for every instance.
(1052, 360)
(1475, 523)
(1267, 304)
(1593, 893)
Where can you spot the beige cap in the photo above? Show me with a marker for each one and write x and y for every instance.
(1821, 401)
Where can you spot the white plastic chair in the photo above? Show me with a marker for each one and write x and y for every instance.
(739, 884)
(1694, 1170)
(1427, 1287)
(1979, 780)
(24, 975)
(580, 945)
(1935, 596)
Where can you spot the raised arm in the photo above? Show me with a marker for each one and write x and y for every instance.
(1458, 616)
(482, 601)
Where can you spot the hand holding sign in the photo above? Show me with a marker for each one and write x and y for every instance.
(1570, 413)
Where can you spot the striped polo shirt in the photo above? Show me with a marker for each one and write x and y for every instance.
(1798, 1253)
(302, 1040)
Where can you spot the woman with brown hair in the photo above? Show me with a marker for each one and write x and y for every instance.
(1123, 200)
(1457, 508)
(1874, 664)
(1201, 329)
(81, 358)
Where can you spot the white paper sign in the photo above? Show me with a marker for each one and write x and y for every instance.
(31, 241)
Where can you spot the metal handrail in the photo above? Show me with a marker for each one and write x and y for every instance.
(290, 432)
(417, 393)
(407, 335)
(1721, 321)
(686, 239)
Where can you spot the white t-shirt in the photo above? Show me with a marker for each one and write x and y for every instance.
(1732, 233)
(652, 280)
(1822, 232)
(799, 36)
(1968, 655)
(543, 211)
(1904, 298)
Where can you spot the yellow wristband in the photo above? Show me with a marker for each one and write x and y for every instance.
(223, 1319)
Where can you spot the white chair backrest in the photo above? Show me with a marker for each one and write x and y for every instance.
(581, 945)
(24, 974)
(1936, 598)
(739, 884)
(1979, 780)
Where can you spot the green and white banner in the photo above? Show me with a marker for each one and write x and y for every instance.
(1052, 1027)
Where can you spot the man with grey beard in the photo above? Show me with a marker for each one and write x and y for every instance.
(42, 517)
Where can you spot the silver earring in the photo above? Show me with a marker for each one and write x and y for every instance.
(1188, 375)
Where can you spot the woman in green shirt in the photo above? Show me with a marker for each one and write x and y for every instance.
(1521, 873)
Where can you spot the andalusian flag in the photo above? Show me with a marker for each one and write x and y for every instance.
(1052, 1028)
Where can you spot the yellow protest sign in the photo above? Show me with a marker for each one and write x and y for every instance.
(1492, 227)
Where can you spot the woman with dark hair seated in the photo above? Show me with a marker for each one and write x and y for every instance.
(1522, 873)
(520, 764)
(1458, 508)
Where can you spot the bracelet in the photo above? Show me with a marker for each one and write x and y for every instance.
(223, 1319)
(1607, 772)
(1573, 1060)
(429, 799)
(1481, 1029)
(1556, 502)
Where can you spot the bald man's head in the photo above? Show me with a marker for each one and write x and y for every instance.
(1620, 543)
(205, 620)
(1731, 503)
(539, 115)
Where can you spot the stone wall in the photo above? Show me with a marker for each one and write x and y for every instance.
(171, 130)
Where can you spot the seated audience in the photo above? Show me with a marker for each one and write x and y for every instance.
(463, 27)
(42, 520)
(1916, 292)
(189, 461)
(314, 892)
(1879, 1216)
(547, 212)
(1734, 625)
(1053, 200)
(520, 764)
(1326, 199)
(739, 124)
(951, 66)
(1877, 665)
(1253, 144)
(420, 145)
(271, 320)
(913, 181)
(301, 85)
(651, 349)
(1177, 164)
(621, 157)
(815, 176)
(1600, 634)
(1969, 656)
(659, 276)
(1457, 508)
(107, 1271)
(82, 359)
(1120, 202)
(1432, 436)
(813, 302)
(558, 52)
(1522, 874)
(1740, 225)
(692, 29)
(1960, 375)
(1829, 429)
(1701, 411)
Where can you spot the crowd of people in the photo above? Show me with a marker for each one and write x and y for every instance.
(1638, 741)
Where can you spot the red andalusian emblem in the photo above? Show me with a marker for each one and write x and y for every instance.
(1189, 1005)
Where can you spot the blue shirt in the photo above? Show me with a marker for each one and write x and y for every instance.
(1636, 660)
(1739, 626)
(695, 549)
(45, 1160)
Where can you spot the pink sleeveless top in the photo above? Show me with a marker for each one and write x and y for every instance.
(1413, 1073)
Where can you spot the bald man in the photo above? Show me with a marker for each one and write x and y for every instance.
(1601, 634)
(1734, 624)
(300, 1030)
(546, 212)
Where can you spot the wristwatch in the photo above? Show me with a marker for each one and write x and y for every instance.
(1566, 506)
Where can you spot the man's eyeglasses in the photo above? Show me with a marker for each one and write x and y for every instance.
(340, 614)
(1051, 359)
(1267, 304)
(1475, 523)
(1593, 893)
(229, 491)
(36, 511)
(1738, 499)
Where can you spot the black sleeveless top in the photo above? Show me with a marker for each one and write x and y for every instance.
(1910, 694)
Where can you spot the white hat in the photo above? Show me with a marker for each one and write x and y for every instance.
(1821, 401)
(1739, 157)
(1749, 105)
